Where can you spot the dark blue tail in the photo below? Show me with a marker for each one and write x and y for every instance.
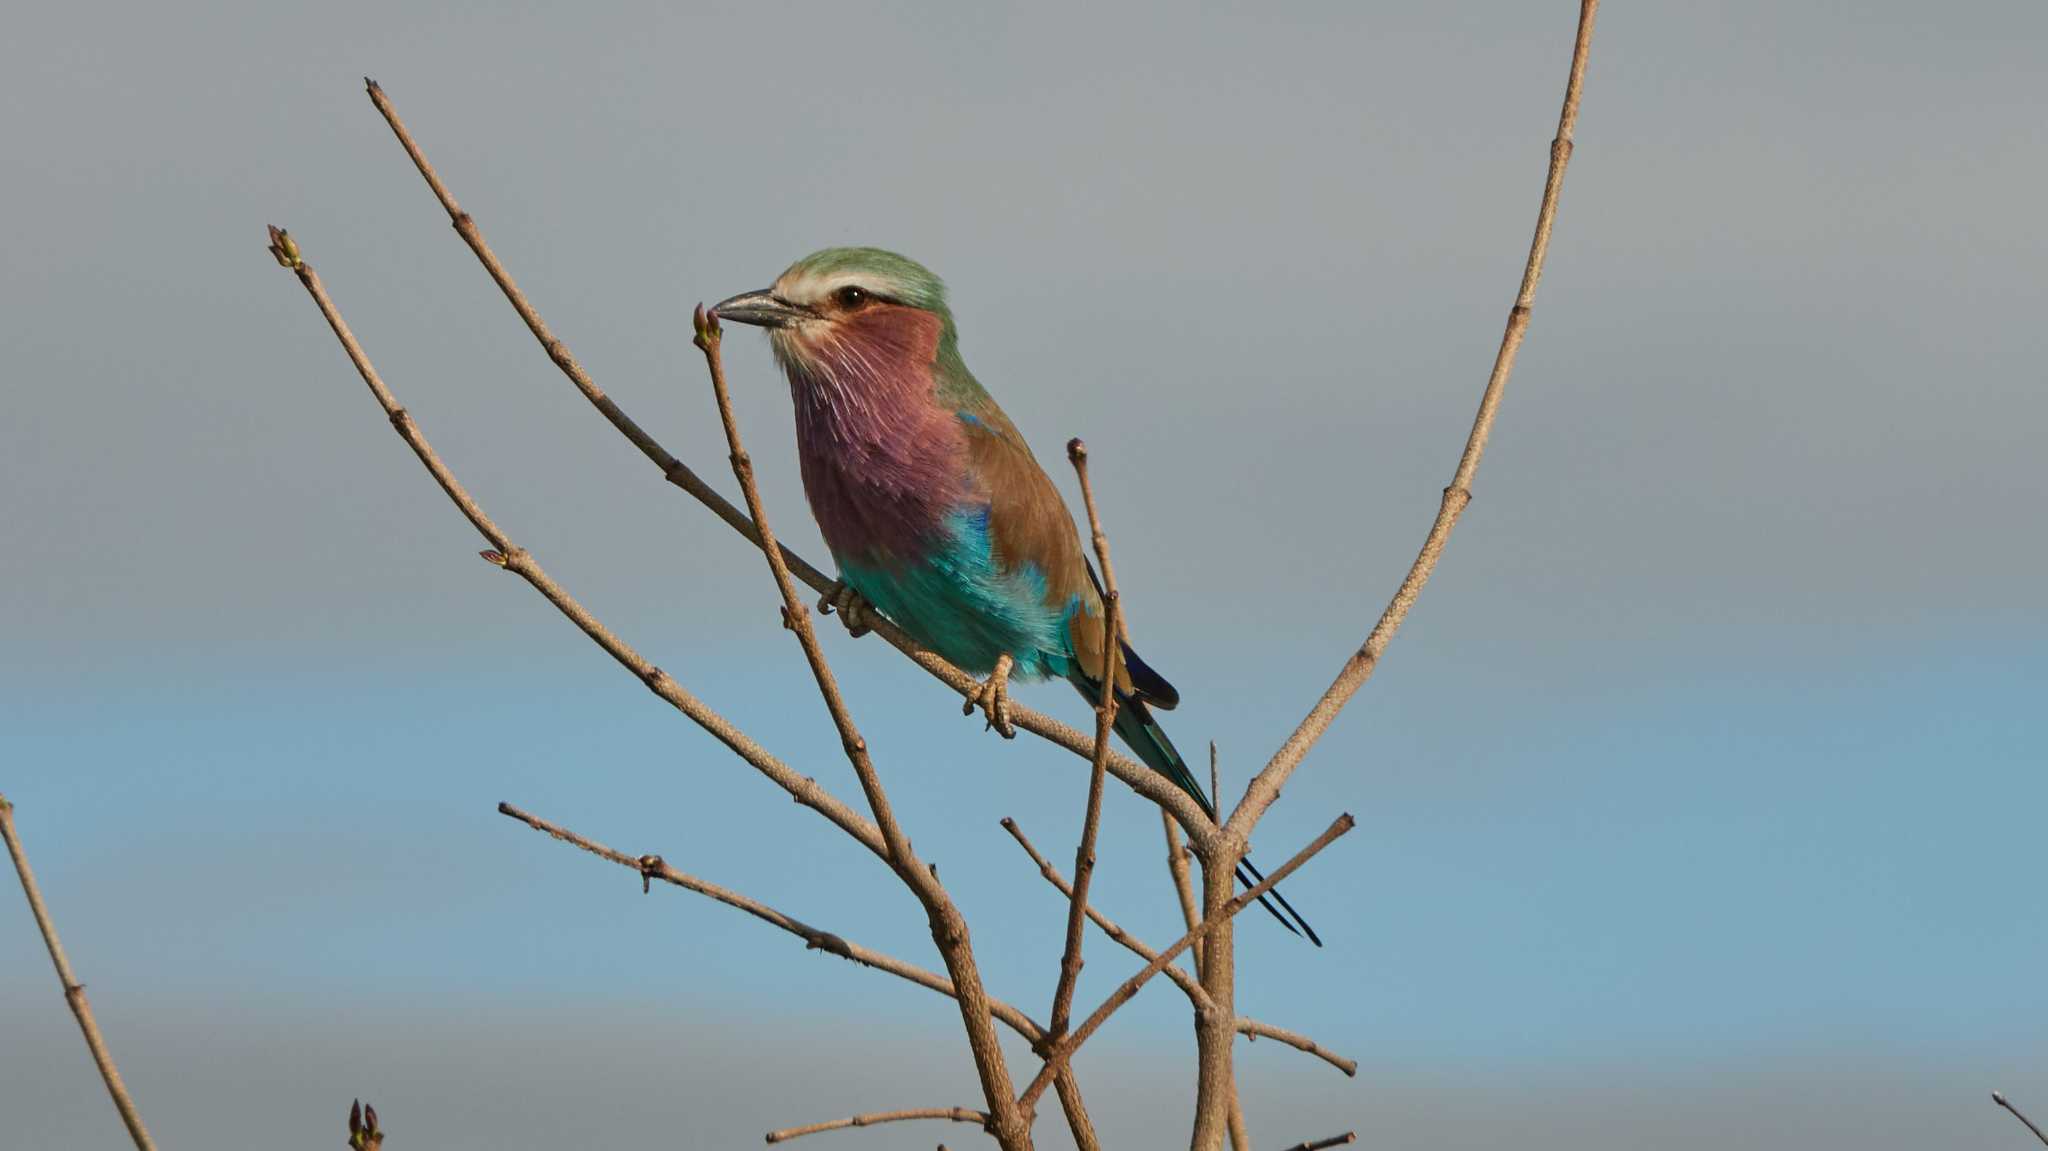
(1142, 734)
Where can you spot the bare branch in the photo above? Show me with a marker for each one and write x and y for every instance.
(1332, 1141)
(957, 1114)
(74, 991)
(1131, 943)
(1134, 774)
(1123, 994)
(1999, 1098)
(948, 925)
(1250, 1028)
(650, 867)
(505, 554)
(1105, 716)
(1253, 1029)
(1265, 788)
(1183, 883)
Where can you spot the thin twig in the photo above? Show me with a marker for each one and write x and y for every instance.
(815, 938)
(1999, 1098)
(1265, 788)
(505, 554)
(1137, 776)
(1105, 717)
(1138, 947)
(74, 991)
(1332, 1141)
(1060, 1057)
(1215, 778)
(1183, 883)
(956, 1114)
(1253, 1029)
(1250, 1028)
(948, 925)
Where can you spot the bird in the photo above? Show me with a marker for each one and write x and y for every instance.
(933, 507)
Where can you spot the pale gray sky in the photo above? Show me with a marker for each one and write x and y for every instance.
(1698, 799)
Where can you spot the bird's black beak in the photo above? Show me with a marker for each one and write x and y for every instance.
(763, 309)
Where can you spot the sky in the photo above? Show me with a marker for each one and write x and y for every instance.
(1698, 800)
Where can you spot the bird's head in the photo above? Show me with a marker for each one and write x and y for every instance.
(848, 316)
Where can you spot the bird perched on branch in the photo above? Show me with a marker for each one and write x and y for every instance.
(931, 503)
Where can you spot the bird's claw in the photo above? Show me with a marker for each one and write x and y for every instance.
(992, 696)
(851, 608)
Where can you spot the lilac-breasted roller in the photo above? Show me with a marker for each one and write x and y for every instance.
(932, 504)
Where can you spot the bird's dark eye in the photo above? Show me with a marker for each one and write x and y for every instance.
(851, 296)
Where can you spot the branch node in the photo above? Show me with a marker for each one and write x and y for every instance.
(650, 867)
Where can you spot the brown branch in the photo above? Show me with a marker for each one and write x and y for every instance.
(957, 1114)
(650, 867)
(948, 925)
(1137, 776)
(1060, 1057)
(1183, 883)
(1187, 983)
(1105, 716)
(1265, 788)
(1177, 867)
(1332, 1141)
(1250, 1028)
(1999, 1098)
(1253, 1029)
(505, 554)
(74, 991)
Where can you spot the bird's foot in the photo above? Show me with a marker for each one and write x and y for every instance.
(853, 611)
(993, 697)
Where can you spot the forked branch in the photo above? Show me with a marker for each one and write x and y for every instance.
(1122, 995)
(1006, 1121)
(513, 558)
(1265, 788)
(1197, 996)
(1134, 774)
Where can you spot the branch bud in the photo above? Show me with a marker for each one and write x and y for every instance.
(285, 249)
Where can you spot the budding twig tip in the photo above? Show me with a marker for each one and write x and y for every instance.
(706, 322)
(284, 249)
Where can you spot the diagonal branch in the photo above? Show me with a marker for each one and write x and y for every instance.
(1105, 716)
(516, 559)
(74, 991)
(1060, 1058)
(1265, 788)
(1324, 1144)
(1183, 883)
(815, 938)
(1250, 1028)
(949, 927)
(956, 1114)
(1139, 778)
(1999, 1098)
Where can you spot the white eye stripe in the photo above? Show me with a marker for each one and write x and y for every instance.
(810, 290)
